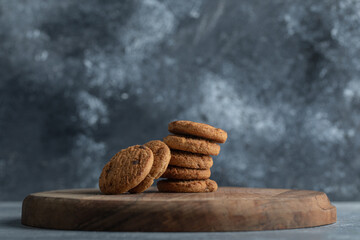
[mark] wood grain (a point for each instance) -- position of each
(228, 209)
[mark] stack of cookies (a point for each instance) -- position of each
(190, 163)
(186, 167)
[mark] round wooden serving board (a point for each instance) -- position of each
(228, 209)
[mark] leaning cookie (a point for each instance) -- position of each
(127, 169)
(186, 173)
(199, 130)
(194, 145)
(162, 157)
(192, 186)
(190, 160)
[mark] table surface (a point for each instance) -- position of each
(347, 227)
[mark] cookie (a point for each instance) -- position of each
(145, 184)
(192, 186)
(190, 160)
(186, 173)
(194, 145)
(162, 157)
(127, 169)
(199, 130)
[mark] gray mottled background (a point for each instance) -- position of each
(80, 80)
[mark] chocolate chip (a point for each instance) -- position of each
(136, 162)
(141, 147)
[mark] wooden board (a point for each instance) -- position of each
(228, 209)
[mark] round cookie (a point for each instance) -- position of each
(162, 157)
(126, 169)
(145, 184)
(186, 173)
(190, 160)
(194, 145)
(192, 186)
(199, 130)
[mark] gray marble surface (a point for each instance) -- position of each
(346, 227)
(82, 79)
